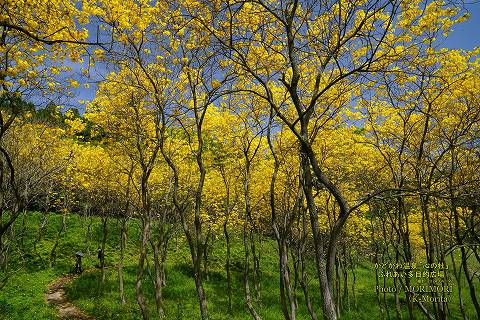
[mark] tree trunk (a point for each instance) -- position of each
(104, 241)
(303, 277)
(158, 280)
(285, 281)
(397, 300)
(246, 271)
(141, 269)
(459, 286)
(53, 252)
(123, 240)
(328, 304)
(354, 279)
(23, 232)
(256, 267)
(197, 274)
(205, 256)
(304, 284)
(337, 291)
(227, 266)
(459, 238)
(87, 232)
(39, 237)
(470, 283)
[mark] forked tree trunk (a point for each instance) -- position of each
(328, 304)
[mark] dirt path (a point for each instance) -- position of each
(56, 296)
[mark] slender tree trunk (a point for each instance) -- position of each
(377, 284)
(246, 272)
(123, 241)
(256, 267)
(87, 232)
(459, 286)
(227, 266)
(205, 256)
(197, 274)
(398, 307)
(226, 234)
(141, 269)
(282, 266)
(328, 304)
(8, 247)
(23, 232)
(303, 278)
(458, 237)
(344, 266)
(104, 241)
(285, 284)
(194, 239)
(337, 291)
(287, 299)
(403, 240)
(296, 274)
(304, 284)
(53, 252)
(159, 255)
(438, 309)
(198, 243)
(470, 283)
(387, 310)
(354, 279)
(39, 237)
(158, 280)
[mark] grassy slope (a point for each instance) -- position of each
(23, 297)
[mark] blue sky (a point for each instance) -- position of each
(465, 35)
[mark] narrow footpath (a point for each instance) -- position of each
(56, 296)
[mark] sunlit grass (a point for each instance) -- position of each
(23, 296)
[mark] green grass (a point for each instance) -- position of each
(23, 296)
